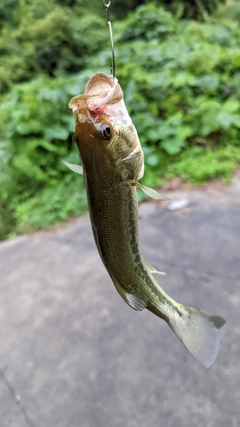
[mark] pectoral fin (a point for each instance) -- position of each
(74, 168)
(151, 193)
(138, 301)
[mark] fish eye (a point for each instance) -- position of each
(106, 131)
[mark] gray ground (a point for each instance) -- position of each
(73, 354)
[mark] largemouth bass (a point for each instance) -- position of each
(112, 163)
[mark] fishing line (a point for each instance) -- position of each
(112, 66)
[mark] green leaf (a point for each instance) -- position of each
(28, 128)
(231, 105)
(173, 146)
(225, 119)
(184, 132)
(210, 122)
(56, 132)
(48, 145)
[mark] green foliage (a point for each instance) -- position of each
(192, 9)
(52, 205)
(198, 165)
(147, 22)
(229, 11)
(181, 82)
(37, 126)
(35, 122)
(182, 90)
(50, 39)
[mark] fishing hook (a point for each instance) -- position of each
(112, 66)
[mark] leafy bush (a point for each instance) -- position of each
(182, 88)
(51, 205)
(198, 165)
(37, 126)
(50, 39)
(192, 9)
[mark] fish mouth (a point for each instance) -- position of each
(105, 88)
(102, 96)
(100, 90)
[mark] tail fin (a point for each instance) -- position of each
(199, 332)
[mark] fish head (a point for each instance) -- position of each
(105, 135)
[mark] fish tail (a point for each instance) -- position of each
(199, 332)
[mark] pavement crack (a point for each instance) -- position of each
(17, 398)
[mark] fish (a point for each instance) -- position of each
(112, 162)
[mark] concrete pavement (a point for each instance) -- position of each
(73, 354)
